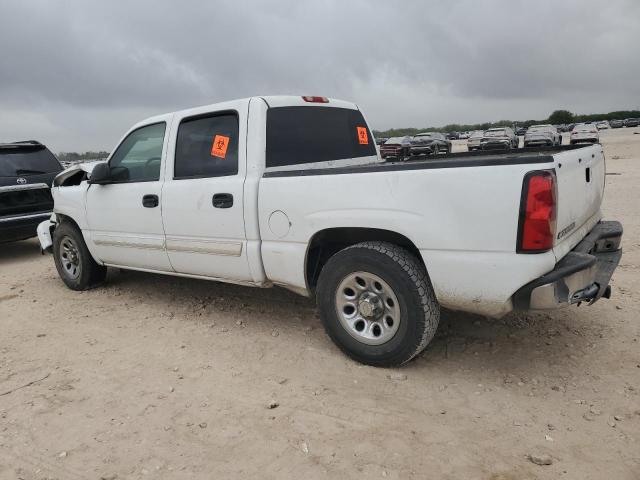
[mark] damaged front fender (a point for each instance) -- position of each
(74, 175)
(45, 234)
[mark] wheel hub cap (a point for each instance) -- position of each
(367, 308)
(370, 306)
(69, 257)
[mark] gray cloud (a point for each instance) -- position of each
(76, 74)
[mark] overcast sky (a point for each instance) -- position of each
(76, 74)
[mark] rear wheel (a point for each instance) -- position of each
(377, 304)
(75, 265)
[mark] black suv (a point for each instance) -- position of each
(27, 170)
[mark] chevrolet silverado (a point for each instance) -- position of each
(290, 191)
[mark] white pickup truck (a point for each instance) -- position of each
(291, 191)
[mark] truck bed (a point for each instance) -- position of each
(451, 160)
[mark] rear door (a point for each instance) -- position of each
(202, 200)
(124, 218)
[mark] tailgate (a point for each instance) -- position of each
(580, 175)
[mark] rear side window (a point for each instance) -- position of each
(299, 135)
(22, 162)
(207, 146)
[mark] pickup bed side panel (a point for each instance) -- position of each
(463, 221)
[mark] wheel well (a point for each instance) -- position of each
(66, 219)
(325, 243)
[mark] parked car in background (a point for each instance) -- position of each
(27, 170)
(520, 131)
(499, 138)
(616, 124)
(396, 147)
(453, 136)
(603, 125)
(584, 133)
(429, 143)
(473, 143)
(464, 135)
(632, 122)
(546, 135)
(381, 140)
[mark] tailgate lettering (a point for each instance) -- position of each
(566, 230)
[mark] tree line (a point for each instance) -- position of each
(78, 157)
(556, 118)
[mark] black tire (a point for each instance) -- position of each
(87, 273)
(419, 311)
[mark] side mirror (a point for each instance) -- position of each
(101, 174)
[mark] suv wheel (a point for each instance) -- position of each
(377, 304)
(75, 265)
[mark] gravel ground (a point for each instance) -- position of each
(161, 377)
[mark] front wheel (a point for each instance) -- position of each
(377, 304)
(75, 265)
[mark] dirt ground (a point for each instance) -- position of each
(161, 377)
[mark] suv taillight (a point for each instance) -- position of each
(537, 225)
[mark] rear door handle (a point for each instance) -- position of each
(222, 200)
(150, 201)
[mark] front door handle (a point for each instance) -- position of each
(222, 200)
(150, 201)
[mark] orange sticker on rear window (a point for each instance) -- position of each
(219, 146)
(363, 138)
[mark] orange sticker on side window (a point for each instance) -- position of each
(363, 138)
(219, 146)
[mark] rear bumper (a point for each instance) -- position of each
(422, 150)
(573, 140)
(20, 227)
(495, 144)
(538, 141)
(581, 276)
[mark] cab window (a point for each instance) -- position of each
(207, 146)
(138, 157)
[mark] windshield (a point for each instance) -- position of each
(426, 135)
(393, 140)
(25, 162)
(495, 133)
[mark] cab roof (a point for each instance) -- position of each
(272, 101)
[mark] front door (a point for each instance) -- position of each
(202, 199)
(124, 217)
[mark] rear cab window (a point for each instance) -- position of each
(304, 135)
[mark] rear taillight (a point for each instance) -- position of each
(537, 226)
(312, 99)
